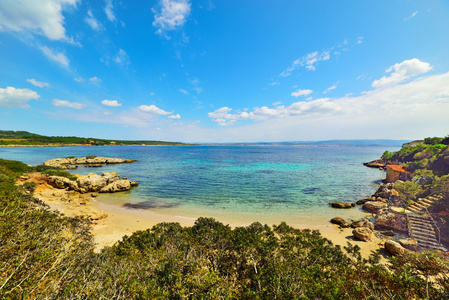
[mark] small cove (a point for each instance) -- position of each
(234, 184)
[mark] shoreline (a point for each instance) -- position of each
(110, 223)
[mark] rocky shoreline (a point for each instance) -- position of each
(389, 221)
(89, 161)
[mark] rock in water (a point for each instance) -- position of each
(340, 221)
(394, 248)
(341, 205)
(362, 233)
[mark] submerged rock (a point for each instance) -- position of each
(341, 205)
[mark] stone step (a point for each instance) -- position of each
(425, 229)
(433, 198)
(424, 237)
(414, 208)
(421, 223)
(430, 244)
(427, 201)
(419, 217)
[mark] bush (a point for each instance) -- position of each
(59, 172)
(29, 186)
(408, 190)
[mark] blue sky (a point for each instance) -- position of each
(225, 71)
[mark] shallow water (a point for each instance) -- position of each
(237, 184)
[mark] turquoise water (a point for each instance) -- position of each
(245, 182)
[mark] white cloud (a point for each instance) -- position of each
(152, 109)
(113, 103)
(58, 57)
(12, 97)
(41, 17)
(78, 79)
(65, 103)
(109, 10)
(95, 80)
(411, 16)
(402, 71)
(360, 40)
(38, 83)
(93, 22)
(371, 115)
(300, 92)
(308, 61)
(121, 57)
(175, 117)
(173, 14)
(331, 88)
(184, 91)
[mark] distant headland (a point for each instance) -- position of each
(9, 138)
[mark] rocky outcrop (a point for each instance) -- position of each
(108, 182)
(410, 244)
(362, 233)
(363, 223)
(391, 220)
(71, 162)
(340, 221)
(374, 206)
(341, 205)
(378, 163)
(394, 248)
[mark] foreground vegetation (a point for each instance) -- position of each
(24, 138)
(47, 255)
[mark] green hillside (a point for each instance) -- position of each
(24, 138)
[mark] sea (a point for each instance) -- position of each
(236, 185)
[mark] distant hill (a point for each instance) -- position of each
(24, 138)
(341, 143)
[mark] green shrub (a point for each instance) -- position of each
(91, 156)
(409, 189)
(59, 172)
(16, 166)
(29, 186)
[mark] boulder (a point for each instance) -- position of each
(111, 176)
(116, 186)
(362, 233)
(387, 232)
(362, 201)
(392, 220)
(373, 206)
(363, 223)
(62, 183)
(410, 244)
(91, 183)
(341, 205)
(340, 221)
(394, 248)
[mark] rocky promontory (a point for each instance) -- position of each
(73, 162)
(107, 182)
